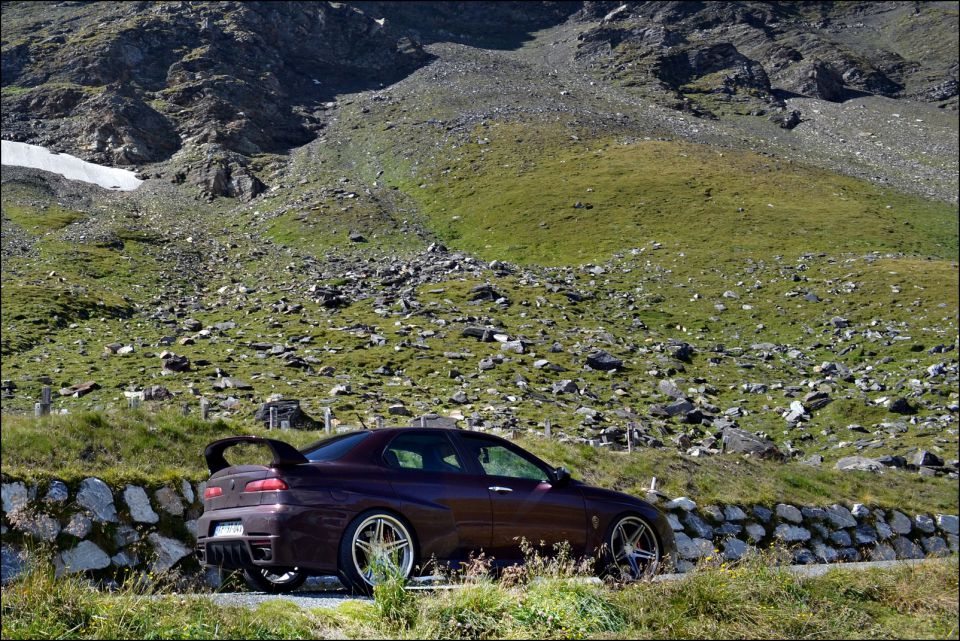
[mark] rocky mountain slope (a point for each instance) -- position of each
(679, 219)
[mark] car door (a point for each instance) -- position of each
(450, 510)
(525, 504)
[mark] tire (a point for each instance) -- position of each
(274, 580)
(632, 549)
(377, 544)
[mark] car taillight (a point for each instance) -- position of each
(266, 485)
(212, 492)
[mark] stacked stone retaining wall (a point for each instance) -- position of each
(93, 527)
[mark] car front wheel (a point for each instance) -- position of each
(376, 546)
(633, 551)
(274, 580)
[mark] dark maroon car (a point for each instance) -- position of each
(366, 503)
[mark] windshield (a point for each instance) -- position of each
(334, 448)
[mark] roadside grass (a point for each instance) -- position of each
(752, 599)
(143, 446)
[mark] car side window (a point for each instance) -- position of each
(499, 460)
(424, 452)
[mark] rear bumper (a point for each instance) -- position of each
(273, 536)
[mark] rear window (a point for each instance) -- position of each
(334, 448)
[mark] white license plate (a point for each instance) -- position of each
(228, 528)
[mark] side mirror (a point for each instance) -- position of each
(561, 476)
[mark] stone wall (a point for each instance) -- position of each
(811, 534)
(95, 527)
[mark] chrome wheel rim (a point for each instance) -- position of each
(634, 547)
(282, 577)
(382, 547)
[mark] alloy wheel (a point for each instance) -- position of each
(382, 547)
(634, 547)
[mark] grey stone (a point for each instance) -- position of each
(935, 546)
(755, 531)
(125, 535)
(192, 526)
(139, 503)
(734, 513)
(713, 513)
(899, 522)
(14, 496)
(565, 386)
(823, 552)
(681, 566)
(791, 533)
(841, 538)
(762, 513)
(95, 495)
(864, 534)
(79, 526)
(813, 513)
(12, 563)
(169, 501)
(169, 551)
(907, 549)
(924, 523)
(948, 523)
(692, 549)
(928, 459)
(803, 556)
(860, 511)
(669, 388)
(954, 542)
(603, 361)
(840, 516)
(57, 492)
(858, 463)
(697, 526)
(187, 491)
(883, 552)
(848, 554)
(728, 529)
(85, 556)
(734, 549)
(682, 503)
(124, 559)
(883, 531)
(674, 522)
(819, 529)
(737, 441)
(42, 527)
(789, 513)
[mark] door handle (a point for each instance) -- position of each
(500, 490)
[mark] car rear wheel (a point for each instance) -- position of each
(633, 551)
(377, 546)
(274, 580)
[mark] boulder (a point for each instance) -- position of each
(169, 551)
(95, 495)
(14, 495)
(169, 501)
(789, 513)
(858, 463)
(603, 361)
(739, 441)
(791, 533)
(85, 556)
(139, 503)
(287, 410)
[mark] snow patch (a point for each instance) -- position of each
(19, 154)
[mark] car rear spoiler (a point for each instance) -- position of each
(284, 454)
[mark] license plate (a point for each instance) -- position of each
(228, 528)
